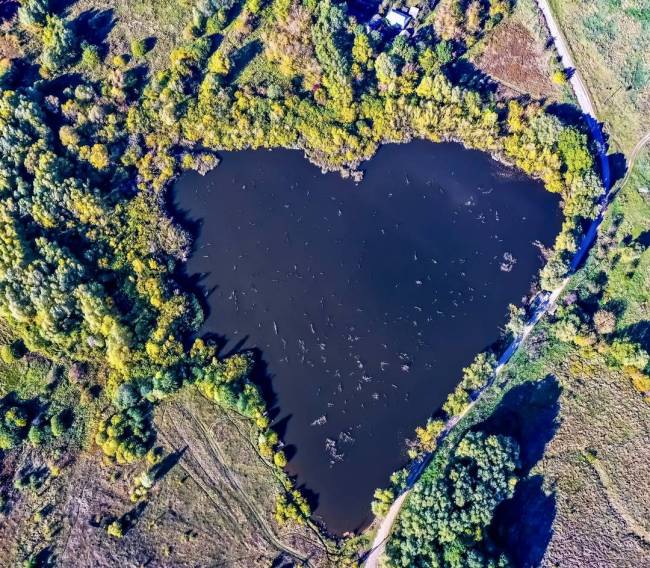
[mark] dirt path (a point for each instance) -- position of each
(617, 504)
(200, 472)
(579, 88)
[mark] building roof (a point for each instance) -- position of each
(414, 11)
(397, 18)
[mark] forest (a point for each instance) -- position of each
(90, 259)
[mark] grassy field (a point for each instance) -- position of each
(116, 23)
(610, 40)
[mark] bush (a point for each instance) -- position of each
(7, 354)
(58, 424)
(115, 529)
(625, 353)
(90, 55)
(604, 322)
(566, 330)
(139, 48)
(291, 506)
(37, 435)
(126, 396)
(280, 459)
(559, 77)
(120, 61)
(126, 436)
(13, 351)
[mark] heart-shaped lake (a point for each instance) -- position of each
(366, 300)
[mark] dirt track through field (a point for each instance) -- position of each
(209, 468)
(617, 504)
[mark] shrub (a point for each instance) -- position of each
(604, 322)
(120, 61)
(14, 351)
(90, 55)
(139, 48)
(126, 436)
(291, 506)
(280, 459)
(566, 330)
(58, 424)
(640, 380)
(115, 529)
(559, 77)
(37, 435)
(625, 353)
(7, 354)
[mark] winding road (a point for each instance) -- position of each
(546, 301)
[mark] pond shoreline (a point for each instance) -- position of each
(301, 260)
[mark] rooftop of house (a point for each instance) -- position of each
(397, 18)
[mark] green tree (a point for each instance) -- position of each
(445, 520)
(58, 424)
(59, 45)
(139, 48)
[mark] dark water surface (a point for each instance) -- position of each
(365, 300)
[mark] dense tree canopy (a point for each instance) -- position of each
(445, 519)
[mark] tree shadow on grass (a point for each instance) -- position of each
(638, 332)
(643, 239)
(465, 73)
(94, 25)
(243, 57)
(8, 9)
(166, 465)
(522, 526)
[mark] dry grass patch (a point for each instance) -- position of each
(598, 524)
(514, 57)
(516, 53)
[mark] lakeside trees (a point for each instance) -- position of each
(445, 519)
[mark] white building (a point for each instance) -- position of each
(397, 18)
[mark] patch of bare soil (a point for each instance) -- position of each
(513, 56)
